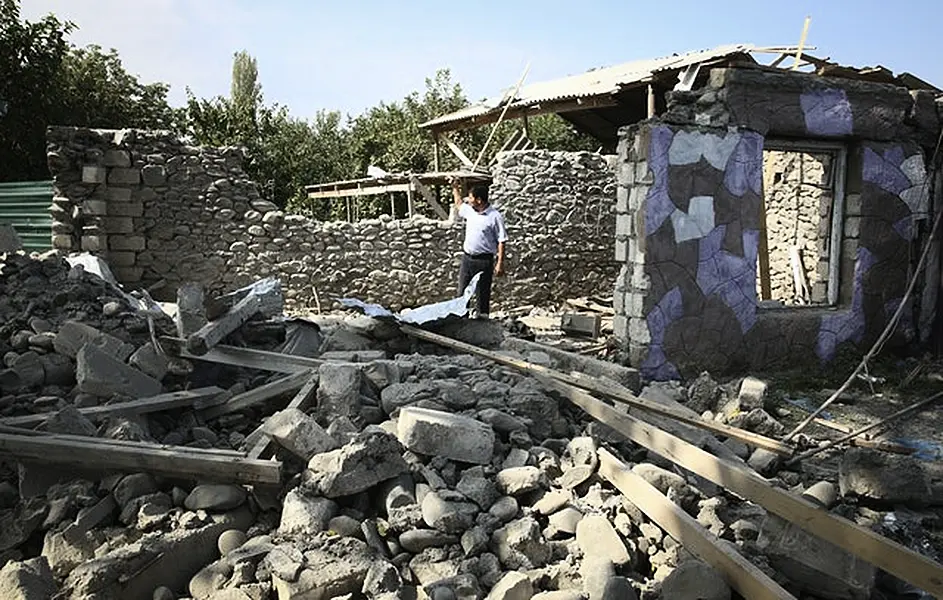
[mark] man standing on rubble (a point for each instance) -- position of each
(485, 238)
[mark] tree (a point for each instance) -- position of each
(30, 57)
(245, 91)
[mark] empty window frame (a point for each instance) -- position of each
(801, 223)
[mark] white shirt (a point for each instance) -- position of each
(483, 230)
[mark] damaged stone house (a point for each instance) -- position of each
(751, 216)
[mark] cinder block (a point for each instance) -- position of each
(122, 176)
(94, 174)
(126, 209)
(118, 194)
(127, 242)
(437, 433)
(624, 227)
(121, 258)
(638, 331)
(95, 207)
(622, 250)
(119, 224)
(149, 361)
(94, 243)
(622, 199)
(852, 205)
(633, 305)
(852, 227)
(620, 327)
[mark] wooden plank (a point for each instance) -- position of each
(580, 325)
(617, 393)
(740, 573)
(518, 112)
(766, 290)
(213, 332)
(246, 357)
(430, 198)
(583, 304)
(743, 481)
(301, 401)
(193, 463)
(255, 396)
(457, 151)
(371, 190)
(153, 404)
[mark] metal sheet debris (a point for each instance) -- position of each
(428, 313)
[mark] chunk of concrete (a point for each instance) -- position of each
(148, 360)
(885, 477)
(72, 336)
(437, 433)
(338, 391)
(335, 568)
(298, 433)
(304, 514)
(596, 536)
(216, 497)
(102, 375)
(520, 545)
(513, 586)
(370, 459)
(695, 580)
(752, 394)
(27, 580)
(449, 516)
(514, 481)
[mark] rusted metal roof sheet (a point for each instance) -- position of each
(598, 82)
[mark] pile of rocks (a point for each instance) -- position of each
(418, 476)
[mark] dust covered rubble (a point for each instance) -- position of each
(412, 476)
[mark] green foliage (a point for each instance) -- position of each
(46, 81)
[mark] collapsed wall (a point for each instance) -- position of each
(692, 212)
(161, 210)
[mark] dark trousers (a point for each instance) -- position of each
(477, 263)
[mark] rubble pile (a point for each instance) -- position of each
(405, 471)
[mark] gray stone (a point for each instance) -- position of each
(149, 361)
(417, 540)
(823, 493)
(70, 421)
(513, 586)
(29, 369)
(346, 526)
(397, 395)
(883, 476)
(478, 488)
(153, 175)
(337, 567)
(474, 541)
(133, 486)
(284, 561)
(562, 595)
(102, 375)
(764, 461)
(519, 545)
(448, 516)
(358, 466)
(563, 523)
(442, 434)
(661, 479)
(164, 593)
(759, 421)
(752, 394)
(72, 336)
(338, 391)
(505, 509)
(216, 497)
(210, 579)
(382, 578)
(553, 501)
(575, 476)
(399, 492)
(64, 553)
(298, 433)
(304, 514)
(619, 588)
(695, 580)
(459, 587)
(502, 422)
(9, 240)
(519, 480)
(456, 395)
(57, 370)
(595, 572)
(703, 394)
(597, 537)
(27, 580)
(517, 457)
(230, 540)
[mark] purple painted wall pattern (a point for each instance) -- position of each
(827, 112)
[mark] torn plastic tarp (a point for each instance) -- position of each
(424, 314)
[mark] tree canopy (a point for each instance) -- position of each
(49, 81)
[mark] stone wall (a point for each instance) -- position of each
(688, 218)
(160, 210)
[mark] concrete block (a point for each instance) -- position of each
(298, 433)
(852, 205)
(94, 174)
(127, 209)
(136, 243)
(118, 224)
(622, 249)
(73, 335)
(437, 433)
(118, 194)
(121, 258)
(99, 374)
(95, 207)
(191, 315)
(752, 394)
(624, 227)
(123, 176)
(62, 242)
(620, 327)
(622, 199)
(94, 243)
(852, 227)
(117, 158)
(148, 360)
(638, 331)
(633, 305)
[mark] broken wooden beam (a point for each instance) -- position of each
(249, 358)
(614, 392)
(255, 396)
(268, 290)
(584, 304)
(153, 404)
(740, 573)
(213, 332)
(301, 401)
(171, 461)
(886, 554)
(581, 325)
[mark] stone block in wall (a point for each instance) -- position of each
(620, 327)
(95, 207)
(853, 205)
(852, 226)
(118, 194)
(118, 225)
(633, 305)
(121, 258)
(624, 227)
(622, 249)
(622, 199)
(94, 174)
(637, 331)
(126, 209)
(154, 175)
(62, 242)
(127, 242)
(94, 243)
(117, 158)
(123, 176)
(127, 274)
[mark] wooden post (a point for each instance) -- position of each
(409, 201)
(526, 127)
(766, 291)
(651, 100)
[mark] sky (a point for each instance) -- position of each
(349, 55)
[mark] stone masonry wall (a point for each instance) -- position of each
(159, 210)
(688, 217)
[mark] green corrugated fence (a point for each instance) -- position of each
(25, 205)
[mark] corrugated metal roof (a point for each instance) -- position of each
(598, 82)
